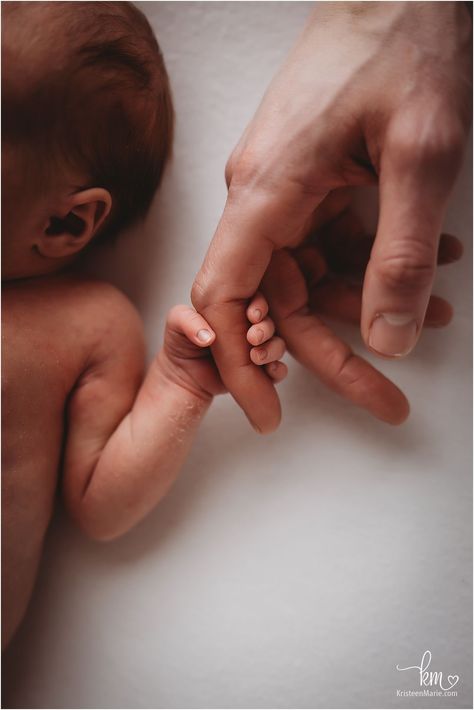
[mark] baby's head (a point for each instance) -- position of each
(87, 123)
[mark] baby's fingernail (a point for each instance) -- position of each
(393, 334)
(262, 354)
(257, 313)
(204, 335)
(260, 334)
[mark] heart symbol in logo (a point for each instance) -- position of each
(452, 680)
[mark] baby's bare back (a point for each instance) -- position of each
(49, 331)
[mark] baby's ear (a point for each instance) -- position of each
(68, 233)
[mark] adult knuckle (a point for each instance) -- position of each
(430, 141)
(408, 267)
(340, 368)
(244, 169)
(440, 147)
(230, 167)
(210, 291)
(199, 294)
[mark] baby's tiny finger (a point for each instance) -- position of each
(277, 371)
(261, 332)
(257, 309)
(274, 349)
(192, 325)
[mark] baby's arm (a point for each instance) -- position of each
(126, 443)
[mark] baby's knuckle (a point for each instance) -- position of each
(175, 313)
(195, 318)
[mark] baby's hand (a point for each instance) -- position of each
(268, 348)
(186, 357)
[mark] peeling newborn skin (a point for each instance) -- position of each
(77, 411)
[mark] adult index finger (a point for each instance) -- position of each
(255, 221)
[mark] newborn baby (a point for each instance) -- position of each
(87, 128)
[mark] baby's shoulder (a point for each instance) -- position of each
(71, 320)
(72, 299)
(107, 318)
(110, 327)
(101, 305)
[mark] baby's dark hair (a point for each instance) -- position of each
(88, 88)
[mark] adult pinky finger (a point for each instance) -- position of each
(277, 371)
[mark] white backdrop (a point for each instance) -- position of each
(295, 570)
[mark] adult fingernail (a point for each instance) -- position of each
(204, 335)
(393, 334)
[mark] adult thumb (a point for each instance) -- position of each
(417, 172)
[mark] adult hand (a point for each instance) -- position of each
(322, 279)
(371, 93)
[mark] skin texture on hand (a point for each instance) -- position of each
(120, 461)
(323, 279)
(372, 93)
(186, 357)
